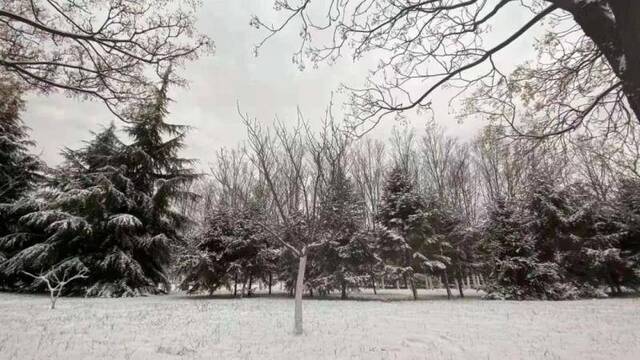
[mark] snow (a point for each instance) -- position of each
(182, 327)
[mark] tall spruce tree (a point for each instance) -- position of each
(344, 262)
(627, 204)
(557, 244)
(107, 209)
(402, 214)
(19, 170)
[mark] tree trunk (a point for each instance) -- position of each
(53, 300)
(297, 328)
(627, 13)
(250, 285)
(235, 284)
(373, 282)
(460, 283)
(614, 26)
(414, 290)
(270, 280)
(343, 295)
(446, 284)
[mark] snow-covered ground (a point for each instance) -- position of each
(181, 327)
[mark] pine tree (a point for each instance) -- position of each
(102, 211)
(509, 254)
(230, 249)
(154, 165)
(402, 215)
(627, 206)
(346, 259)
(19, 170)
(557, 244)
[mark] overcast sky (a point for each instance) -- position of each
(265, 86)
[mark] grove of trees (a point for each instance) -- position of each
(543, 203)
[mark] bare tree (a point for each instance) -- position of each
(55, 284)
(368, 170)
(589, 61)
(97, 49)
(295, 165)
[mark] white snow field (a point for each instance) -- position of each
(182, 327)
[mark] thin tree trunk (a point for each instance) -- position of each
(446, 283)
(250, 285)
(414, 290)
(270, 280)
(373, 282)
(460, 283)
(235, 284)
(343, 296)
(297, 329)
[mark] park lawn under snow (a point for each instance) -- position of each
(182, 327)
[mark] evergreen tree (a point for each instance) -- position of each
(19, 170)
(230, 249)
(402, 215)
(104, 212)
(346, 259)
(558, 245)
(154, 165)
(627, 206)
(509, 254)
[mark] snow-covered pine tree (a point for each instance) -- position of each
(19, 170)
(526, 245)
(591, 254)
(230, 249)
(154, 165)
(402, 215)
(627, 206)
(558, 244)
(508, 253)
(346, 260)
(108, 209)
(444, 248)
(82, 220)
